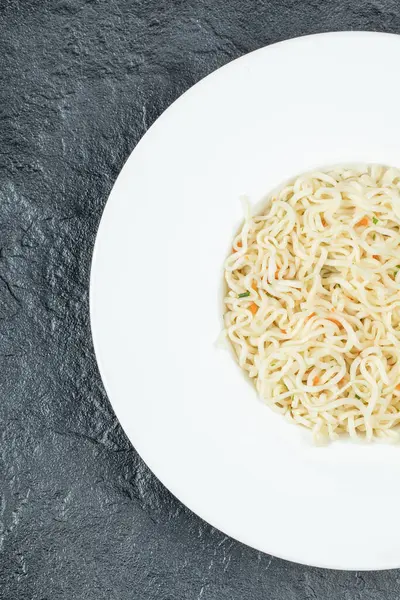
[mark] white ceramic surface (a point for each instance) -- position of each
(155, 298)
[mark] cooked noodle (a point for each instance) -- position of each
(313, 301)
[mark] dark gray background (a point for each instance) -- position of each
(81, 516)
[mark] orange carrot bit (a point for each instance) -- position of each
(316, 380)
(376, 256)
(363, 222)
(283, 331)
(253, 307)
(310, 316)
(254, 286)
(323, 222)
(398, 387)
(338, 323)
(239, 245)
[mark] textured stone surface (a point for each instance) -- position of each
(81, 516)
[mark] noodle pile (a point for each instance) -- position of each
(313, 301)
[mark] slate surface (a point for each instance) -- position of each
(81, 516)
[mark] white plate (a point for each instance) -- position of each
(156, 298)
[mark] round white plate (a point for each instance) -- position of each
(156, 298)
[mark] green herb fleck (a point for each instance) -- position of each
(397, 266)
(375, 220)
(374, 236)
(244, 295)
(358, 397)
